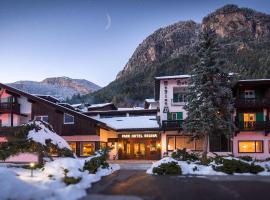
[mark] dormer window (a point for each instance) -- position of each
(68, 119)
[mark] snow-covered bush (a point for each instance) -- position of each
(35, 137)
(184, 155)
(231, 166)
(170, 168)
(70, 180)
(98, 161)
(246, 158)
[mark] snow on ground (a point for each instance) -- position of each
(47, 184)
(191, 168)
(44, 134)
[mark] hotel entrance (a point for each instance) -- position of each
(139, 146)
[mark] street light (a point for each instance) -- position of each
(32, 165)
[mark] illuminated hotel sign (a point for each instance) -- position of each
(139, 135)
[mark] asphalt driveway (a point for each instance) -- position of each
(136, 184)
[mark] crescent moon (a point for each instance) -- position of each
(109, 22)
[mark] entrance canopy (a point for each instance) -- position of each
(131, 123)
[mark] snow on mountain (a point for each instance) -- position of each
(60, 87)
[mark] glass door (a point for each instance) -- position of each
(139, 150)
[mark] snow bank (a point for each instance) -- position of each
(192, 168)
(47, 183)
(188, 168)
(44, 134)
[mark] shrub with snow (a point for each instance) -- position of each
(216, 166)
(60, 179)
(35, 137)
(237, 166)
(183, 154)
(170, 168)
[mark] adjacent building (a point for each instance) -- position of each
(18, 107)
(252, 112)
(171, 93)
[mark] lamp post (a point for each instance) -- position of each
(32, 165)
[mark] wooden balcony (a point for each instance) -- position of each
(172, 124)
(253, 126)
(9, 107)
(252, 103)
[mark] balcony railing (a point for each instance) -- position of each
(172, 124)
(253, 126)
(7, 107)
(177, 103)
(8, 131)
(252, 103)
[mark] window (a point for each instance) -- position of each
(249, 117)
(87, 148)
(199, 144)
(103, 145)
(175, 116)
(250, 146)
(249, 120)
(43, 118)
(184, 142)
(181, 142)
(179, 94)
(171, 143)
(53, 151)
(68, 119)
(73, 146)
(153, 147)
(249, 94)
(7, 100)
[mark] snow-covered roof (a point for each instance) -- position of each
(76, 105)
(131, 122)
(99, 105)
(133, 108)
(248, 80)
(150, 100)
(173, 77)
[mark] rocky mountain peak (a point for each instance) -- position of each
(232, 22)
(165, 42)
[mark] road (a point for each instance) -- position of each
(137, 185)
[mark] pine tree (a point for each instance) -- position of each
(210, 94)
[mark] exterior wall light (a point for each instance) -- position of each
(32, 165)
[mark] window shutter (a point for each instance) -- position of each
(240, 117)
(258, 94)
(179, 116)
(242, 94)
(259, 117)
(169, 116)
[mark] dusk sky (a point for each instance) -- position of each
(86, 39)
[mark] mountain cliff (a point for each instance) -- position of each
(243, 34)
(60, 87)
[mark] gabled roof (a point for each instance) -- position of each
(39, 99)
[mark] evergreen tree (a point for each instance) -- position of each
(210, 95)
